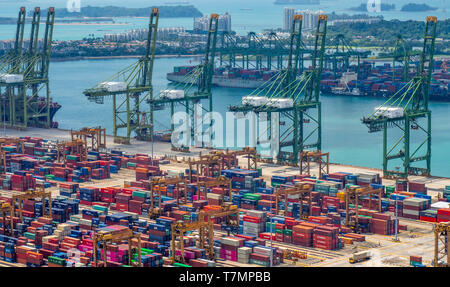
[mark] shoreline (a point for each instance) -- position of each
(81, 58)
(91, 24)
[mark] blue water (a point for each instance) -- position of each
(263, 14)
(347, 140)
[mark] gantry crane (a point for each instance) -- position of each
(75, 147)
(97, 137)
(352, 195)
(306, 157)
(402, 57)
(441, 244)
(205, 165)
(7, 141)
(249, 152)
(12, 59)
(206, 240)
(5, 209)
(107, 236)
(130, 89)
(157, 183)
(230, 212)
(302, 190)
(256, 48)
(28, 72)
(292, 97)
(341, 54)
(221, 181)
(408, 111)
(202, 76)
(39, 193)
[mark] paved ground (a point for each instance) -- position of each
(418, 240)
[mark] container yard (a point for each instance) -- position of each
(84, 198)
(275, 216)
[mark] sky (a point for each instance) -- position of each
(224, 5)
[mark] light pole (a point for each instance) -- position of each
(152, 140)
(4, 116)
(396, 208)
(271, 233)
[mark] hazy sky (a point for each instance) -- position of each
(264, 8)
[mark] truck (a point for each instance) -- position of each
(359, 256)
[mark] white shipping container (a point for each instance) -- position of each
(361, 255)
(230, 241)
(214, 196)
(11, 78)
(411, 212)
(251, 224)
(261, 250)
(256, 213)
(172, 94)
(389, 112)
(282, 103)
(254, 101)
(244, 250)
(114, 86)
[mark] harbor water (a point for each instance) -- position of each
(344, 136)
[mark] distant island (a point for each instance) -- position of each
(412, 7)
(114, 11)
(7, 21)
(384, 7)
(297, 2)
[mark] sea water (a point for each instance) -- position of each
(343, 135)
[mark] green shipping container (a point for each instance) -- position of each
(140, 194)
(56, 260)
(29, 235)
(132, 164)
(100, 208)
(49, 176)
(181, 265)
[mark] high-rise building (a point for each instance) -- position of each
(310, 18)
(288, 18)
(224, 23)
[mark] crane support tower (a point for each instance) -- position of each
(130, 89)
(181, 94)
(408, 112)
(441, 244)
(352, 195)
(321, 158)
(303, 190)
(106, 236)
(292, 98)
(341, 54)
(28, 195)
(206, 238)
(97, 137)
(25, 75)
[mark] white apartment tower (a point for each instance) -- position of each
(288, 18)
(224, 23)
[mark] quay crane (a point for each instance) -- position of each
(129, 89)
(408, 112)
(293, 98)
